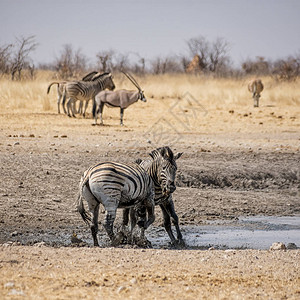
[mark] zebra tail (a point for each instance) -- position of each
(49, 87)
(79, 203)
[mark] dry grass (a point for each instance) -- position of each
(211, 93)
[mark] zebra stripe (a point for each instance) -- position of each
(162, 169)
(61, 86)
(115, 185)
(86, 90)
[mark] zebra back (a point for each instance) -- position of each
(85, 90)
(129, 180)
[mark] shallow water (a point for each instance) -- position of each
(258, 232)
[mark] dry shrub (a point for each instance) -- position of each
(210, 92)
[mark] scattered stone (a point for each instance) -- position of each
(231, 111)
(211, 248)
(9, 284)
(278, 246)
(14, 233)
(15, 292)
(133, 281)
(31, 135)
(63, 136)
(120, 289)
(16, 143)
(245, 115)
(40, 244)
(291, 246)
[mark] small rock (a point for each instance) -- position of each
(15, 292)
(40, 244)
(31, 135)
(16, 143)
(15, 233)
(120, 289)
(133, 281)
(9, 284)
(278, 246)
(291, 246)
(211, 248)
(63, 136)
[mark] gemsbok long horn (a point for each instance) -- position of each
(130, 77)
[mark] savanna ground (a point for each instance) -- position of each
(238, 161)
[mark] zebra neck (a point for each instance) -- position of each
(154, 173)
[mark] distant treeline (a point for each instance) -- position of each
(204, 57)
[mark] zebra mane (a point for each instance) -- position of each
(164, 152)
(97, 76)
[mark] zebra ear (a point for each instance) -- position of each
(178, 155)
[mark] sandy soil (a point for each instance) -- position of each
(236, 162)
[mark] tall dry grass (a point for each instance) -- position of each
(31, 95)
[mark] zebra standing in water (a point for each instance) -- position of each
(162, 169)
(86, 90)
(255, 86)
(115, 185)
(61, 85)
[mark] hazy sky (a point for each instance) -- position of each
(269, 28)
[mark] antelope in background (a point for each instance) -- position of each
(120, 98)
(255, 87)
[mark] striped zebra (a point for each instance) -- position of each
(162, 168)
(85, 90)
(115, 185)
(61, 85)
(255, 86)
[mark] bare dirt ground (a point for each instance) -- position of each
(241, 162)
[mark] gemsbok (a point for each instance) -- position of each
(255, 86)
(120, 98)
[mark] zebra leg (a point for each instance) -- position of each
(69, 107)
(58, 103)
(73, 108)
(175, 221)
(64, 102)
(121, 116)
(85, 107)
(100, 112)
(93, 205)
(167, 223)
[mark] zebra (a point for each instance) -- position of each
(86, 90)
(255, 86)
(162, 168)
(120, 98)
(115, 185)
(60, 88)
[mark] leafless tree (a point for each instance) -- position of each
(105, 60)
(20, 60)
(211, 56)
(218, 55)
(257, 67)
(5, 58)
(121, 62)
(70, 64)
(162, 65)
(287, 69)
